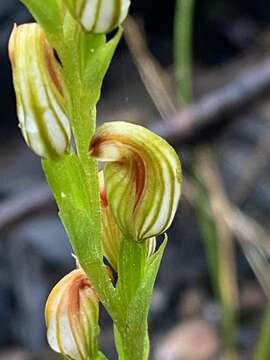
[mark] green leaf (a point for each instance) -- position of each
(68, 182)
(131, 267)
(85, 60)
(49, 15)
(81, 231)
(66, 179)
(139, 305)
(137, 275)
(87, 45)
(97, 65)
(100, 356)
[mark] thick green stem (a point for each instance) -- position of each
(132, 345)
(131, 331)
(137, 273)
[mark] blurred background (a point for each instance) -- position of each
(197, 72)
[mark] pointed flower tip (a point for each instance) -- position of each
(40, 90)
(72, 317)
(99, 16)
(142, 178)
(11, 45)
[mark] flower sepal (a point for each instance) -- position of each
(98, 16)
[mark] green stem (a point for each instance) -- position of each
(263, 347)
(82, 221)
(131, 331)
(131, 345)
(183, 44)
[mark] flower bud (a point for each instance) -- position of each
(72, 317)
(142, 178)
(99, 16)
(39, 89)
(111, 234)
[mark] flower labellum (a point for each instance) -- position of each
(72, 317)
(99, 16)
(142, 178)
(39, 89)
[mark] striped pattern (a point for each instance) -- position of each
(112, 236)
(99, 16)
(40, 91)
(142, 178)
(72, 317)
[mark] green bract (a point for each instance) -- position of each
(40, 92)
(142, 178)
(99, 16)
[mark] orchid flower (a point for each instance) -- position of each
(40, 92)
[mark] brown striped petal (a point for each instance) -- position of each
(111, 234)
(142, 178)
(99, 16)
(72, 317)
(39, 89)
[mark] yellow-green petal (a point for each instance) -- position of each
(142, 178)
(112, 236)
(99, 16)
(40, 92)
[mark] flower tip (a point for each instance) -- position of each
(102, 192)
(11, 48)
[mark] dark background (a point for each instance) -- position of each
(35, 253)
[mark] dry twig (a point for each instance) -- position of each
(155, 79)
(207, 169)
(211, 108)
(252, 237)
(258, 163)
(18, 208)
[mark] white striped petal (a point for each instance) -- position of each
(72, 317)
(99, 16)
(142, 178)
(39, 89)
